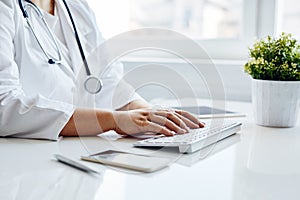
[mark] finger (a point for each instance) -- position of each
(188, 122)
(190, 117)
(167, 123)
(156, 128)
(174, 118)
(202, 124)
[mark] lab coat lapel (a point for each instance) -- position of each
(69, 34)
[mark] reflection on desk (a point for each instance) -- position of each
(259, 163)
(28, 171)
(190, 159)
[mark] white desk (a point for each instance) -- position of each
(259, 163)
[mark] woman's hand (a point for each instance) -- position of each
(161, 121)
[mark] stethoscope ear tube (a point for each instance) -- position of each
(25, 14)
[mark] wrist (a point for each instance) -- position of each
(106, 120)
(137, 104)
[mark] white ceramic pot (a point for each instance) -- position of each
(275, 103)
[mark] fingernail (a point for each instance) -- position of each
(181, 131)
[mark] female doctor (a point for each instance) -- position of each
(39, 69)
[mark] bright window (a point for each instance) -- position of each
(199, 19)
(289, 17)
(224, 27)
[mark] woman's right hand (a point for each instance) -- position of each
(161, 121)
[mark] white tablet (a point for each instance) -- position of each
(205, 112)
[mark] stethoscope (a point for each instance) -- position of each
(92, 84)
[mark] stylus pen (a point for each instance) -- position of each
(74, 164)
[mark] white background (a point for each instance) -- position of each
(258, 18)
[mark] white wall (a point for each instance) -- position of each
(153, 82)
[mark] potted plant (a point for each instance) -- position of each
(275, 69)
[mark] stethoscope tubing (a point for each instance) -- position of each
(96, 88)
(88, 72)
(40, 14)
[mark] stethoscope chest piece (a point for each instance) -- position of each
(93, 85)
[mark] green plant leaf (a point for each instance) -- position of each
(275, 59)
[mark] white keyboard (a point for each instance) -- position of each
(195, 140)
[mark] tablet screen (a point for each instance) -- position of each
(203, 110)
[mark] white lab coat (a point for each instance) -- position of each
(38, 99)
